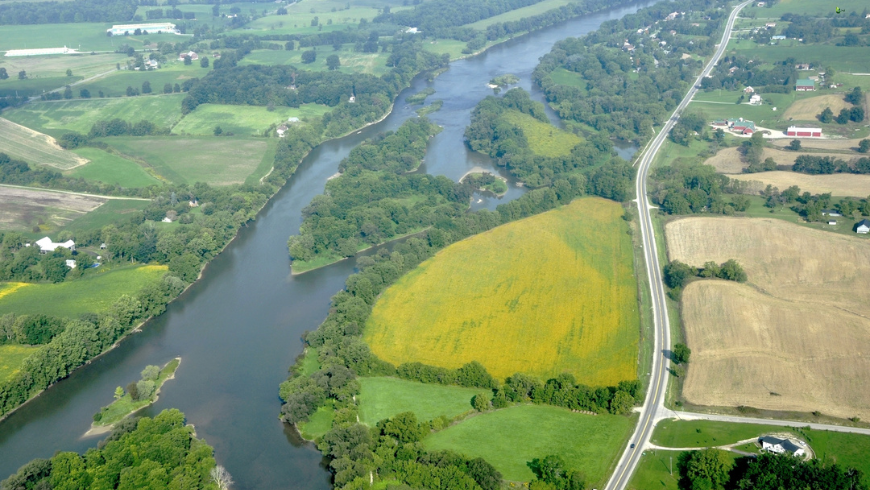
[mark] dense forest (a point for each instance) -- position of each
(434, 17)
(622, 91)
(159, 452)
(54, 12)
(687, 188)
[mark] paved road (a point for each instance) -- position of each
(658, 382)
(670, 414)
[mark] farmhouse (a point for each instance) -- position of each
(805, 85)
(193, 56)
(46, 245)
(780, 446)
(863, 227)
(281, 130)
(804, 132)
(126, 29)
(755, 99)
(748, 90)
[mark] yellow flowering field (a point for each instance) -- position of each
(548, 294)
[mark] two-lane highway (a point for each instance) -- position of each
(655, 396)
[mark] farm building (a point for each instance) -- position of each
(281, 131)
(804, 132)
(770, 25)
(40, 51)
(780, 446)
(802, 66)
(777, 38)
(755, 99)
(739, 125)
(120, 30)
(193, 56)
(748, 90)
(71, 263)
(863, 227)
(830, 212)
(805, 85)
(46, 245)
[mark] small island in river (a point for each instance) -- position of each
(137, 395)
(485, 181)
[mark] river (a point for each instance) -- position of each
(238, 329)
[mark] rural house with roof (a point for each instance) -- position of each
(863, 227)
(46, 245)
(780, 446)
(805, 85)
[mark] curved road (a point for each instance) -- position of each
(655, 396)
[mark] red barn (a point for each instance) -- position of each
(804, 132)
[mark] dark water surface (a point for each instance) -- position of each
(237, 330)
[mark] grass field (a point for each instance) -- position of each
(318, 423)
(569, 78)
(59, 117)
(716, 106)
(36, 148)
(218, 161)
(792, 337)
(55, 66)
(510, 438)
(452, 47)
(242, 120)
(116, 83)
(808, 109)
(805, 7)
(111, 169)
(656, 471)
(836, 184)
(11, 357)
(544, 138)
(24, 209)
(850, 59)
(124, 406)
(84, 36)
(299, 18)
(351, 61)
(112, 211)
(544, 295)
(823, 144)
(538, 8)
(382, 398)
(91, 294)
(32, 86)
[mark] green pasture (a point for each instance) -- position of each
(544, 138)
(61, 116)
(381, 398)
(111, 169)
(93, 293)
(510, 438)
(115, 84)
(241, 120)
(84, 36)
(113, 211)
(850, 81)
(300, 17)
(189, 159)
(569, 78)
(319, 422)
(82, 65)
(32, 86)
(805, 7)
(351, 61)
(841, 58)
(121, 408)
(11, 357)
(520, 13)
(450, 46)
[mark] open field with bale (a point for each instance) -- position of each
(28, 209)
(33, 147)
(111, 169)
(836, 184)
(512, 437)
(808, 109)
(94, 293)
(382, 398)
(189, 159)
(548, 294)
(62, 116)
(794, 336)
(544, 139)
(242, 120)
(11, 356)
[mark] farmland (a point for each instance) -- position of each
(848, 59)
(93, 293)
(789, 339)
(823, 144)
(242, 120)
(113, 211)
(836, 184)
(382, 398)
(728, 161)
(544, 139)
(59, 117)
(111, 169)
(82, 65)
(11, 357)
(84, 36)
(116, 83)
(520, 13)
(351, 61)
(26, 209)
(25, 144)
(804, 7)
(33, 87)
(218, 161)
(299, 20)
(512, 437)
(487, 297)
(808, 109)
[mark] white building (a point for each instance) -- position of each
(780, 446)
(46, 245)
(71, 264)
(863, 227)
(129, 29)
(755, 99)
(191, 54)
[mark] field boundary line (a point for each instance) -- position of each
(59, 191)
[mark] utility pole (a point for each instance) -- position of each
(672, 465)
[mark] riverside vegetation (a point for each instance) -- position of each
(139, 394)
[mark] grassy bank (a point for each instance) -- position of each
(124, 406)
(382, 398)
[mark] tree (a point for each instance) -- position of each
(795, 145)
(826, 116)
(203, 63)
(676, 273)
(219, 475)
(622, 403)
(289, 46)
(119, 393)
(187, 60)
(22, 75)
(856, 114)
(732, 271)
(133, 391)
(855, 97)
(680, 354)
(709, 466)
(3, 74)
(309, 56)
(480, 402)
(218, 131)
(146, 389)
(150, 373)
(167, 88)
(176, 88)
(864, 146)
(333, 62)
(146, 87)
(85, 93)
(843, 116)
(67, 92)
(68, 72)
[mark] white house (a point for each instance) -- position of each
(193, 56)
(46, 245)
(780, 446)
(71, 264)
(863, 227)
(755, 99)
(748, 90)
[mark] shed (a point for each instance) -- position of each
(863, 227)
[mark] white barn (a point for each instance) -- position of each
(863, 227)
(46, 245)
(121, 29)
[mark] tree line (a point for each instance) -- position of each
(817, 165)
(676, 274)
(159, 452)
(689, 188)
(435, 16)
(54, 12)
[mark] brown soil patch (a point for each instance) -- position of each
(808, 109)
(21, 209)
(836, 184)
(799, 328)
(727, 161)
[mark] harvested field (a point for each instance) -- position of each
(28, 145)
(22, 209)
(794, 336)
(545, 295)
(808, 109)
(727, 161)
(836, 184)
(822, 144)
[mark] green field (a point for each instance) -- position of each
(382, 398)
(840, 58)
(32, 87)
(351, 61)
(189, 159)
(82, 65)
(319, 422)
(510, 438)
(536, 9)
(111, 169)
(569, 78)
(452, 47)
(33, 147)
(300, 16)
(115, 84)
(112, 211)
(544, 138)
(805, 7)
(84, 36)
(93, 293)
(721, 105)
(654, 472)
(242, 120)
(11, 357)
(58, 117)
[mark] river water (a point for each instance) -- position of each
(238, 329)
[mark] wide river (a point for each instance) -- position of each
(238, 329)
